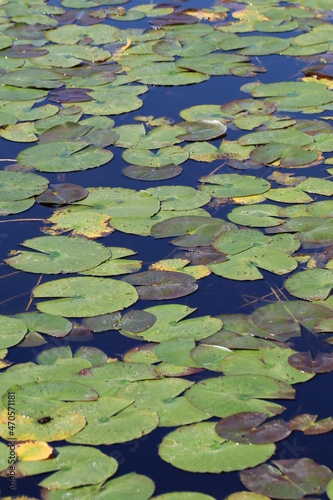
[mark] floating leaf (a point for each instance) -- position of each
(33, 450)
(63, 157)
(249, 249)
(169, 324)
(272, 362)
(310, 425)
(122, 487)
(249, 427)
(16, 186)
(75, 466)
(130, 423)
(45, 323)
(81, 221)
(57, 428)
(58, 254)
(162, 395)
(303, 361)
(152, 174)
(81, 297)
(164, 156)
(226, 396)
(282, 320)
(192, 231)
(50, 356)
(167, 73)
(179, 197)
(62, 194)
(12, 331)
(161, 285)
(290, 479)
(197, 448)
(230, 185)
(313, 284)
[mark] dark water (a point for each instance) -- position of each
(215, 295)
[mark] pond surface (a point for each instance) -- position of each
(224, 321)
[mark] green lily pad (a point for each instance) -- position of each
(162, 396)
(170, 323)
(55, 326)
(184, 495)
(130, 423)
(15, 186)
(113, 101)
(203, 130)
(173, 155)
(292, 156)
(226, 396)
(312, 284)
(249, 249)
(16, 207)
(290, 479)
(58, 254)
(197, 448)
(256, 215)
(282, 320)
(230, 185)
(122, 487)
(74, 465)
(272, 362)
(134, 321)
(13, 330)
(85, 296)
(179, 197)
(152, 174)
(50, 356)
(167, 73)
(192, 231)
(63, 157)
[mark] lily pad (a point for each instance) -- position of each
(249, 427)
(192, 231)
(152, 174)
(162, 285)
(130, 423)
(63, 157)
(226, 396)
(290, 479)
(170, 323)
(58, 254)
(249, 249)
(230, 185)
(81, 297)
(173, 155)
(309, 424)
(13, 330)
(303, 361)
(48, 324)
(74, 466)
(312, 284)
(197, 448)
(16, 186)
(62, 194)
(121, 487)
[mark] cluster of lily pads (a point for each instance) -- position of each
(64, 72)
